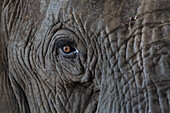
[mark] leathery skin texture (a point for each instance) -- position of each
(85, 56)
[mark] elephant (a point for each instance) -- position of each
(85, 56)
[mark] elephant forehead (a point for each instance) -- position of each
(94, 14)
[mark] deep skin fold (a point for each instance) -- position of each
(123, 65)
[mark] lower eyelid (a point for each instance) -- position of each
(72, 54)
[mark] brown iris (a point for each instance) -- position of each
(66, 49)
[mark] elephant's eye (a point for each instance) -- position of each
(66, 48)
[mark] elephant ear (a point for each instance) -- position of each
(8, 101)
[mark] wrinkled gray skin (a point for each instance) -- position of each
(122, 65)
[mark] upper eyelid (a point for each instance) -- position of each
(63, 42)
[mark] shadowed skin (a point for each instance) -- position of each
(120, 61)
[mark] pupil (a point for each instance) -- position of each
(65, 48)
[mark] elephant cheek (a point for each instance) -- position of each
(157, 64)
(163, 67)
